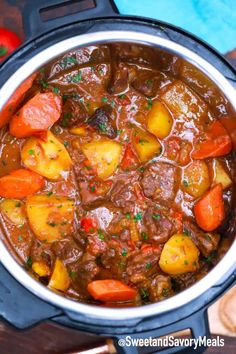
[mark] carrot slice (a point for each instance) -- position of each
(37, 115)
(10, 107)
(20, 183)
(111, 290)
(217, 143)
(209, 210)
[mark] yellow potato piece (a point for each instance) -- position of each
(60, 279)
(49, 157)
(41, 269)
(81, 131)
(179, 255)
(50, 217)
(14, 210)
(195, 180)
(103, 155)
(159, 121)
(145, 144)
(220, 175)
(181, 100)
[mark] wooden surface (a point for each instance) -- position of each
(49, 338)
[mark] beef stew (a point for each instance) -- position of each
(117, 174)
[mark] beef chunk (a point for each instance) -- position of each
(102, 121)
(88, 268)
(123, 196)
(160, 181)
(142, 264)
(158, 225)
(67, 250)
(147, 83)
(184, 281)
(206, 242)
(119, 79)
(73, 113)
(160, 288)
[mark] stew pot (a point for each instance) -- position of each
(24, 301)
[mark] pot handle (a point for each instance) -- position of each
(18, 306)
(197, 323)
(35, 25)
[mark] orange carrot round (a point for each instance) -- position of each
(111, 290)
(20, 183)
(37, 115)
(209, 210)
(217, 143)
(11, 105)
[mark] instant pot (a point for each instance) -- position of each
(23, 300)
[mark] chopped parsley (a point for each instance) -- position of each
(18, 205)
(119, 131)
(53, 224)
(165, 292)
(128, 216)
(186, 262)
(185, 183)
(102, 127)
(104, 99)
(77, 78)
(100, 235)
(156, 216)
(148, 266)
(43, 83)
(143, 141)
(144, 294)
(31, 152)
(65, 119)
(124, 252)
(186, 232)
(144, 235)
(49, 193)
(141, 169)
(20, 238)
(149, 103)
(66, 143)
(56, 89)
(138, 217)
(72, 274)
(29, 262)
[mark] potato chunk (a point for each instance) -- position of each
(41, 269)
(179, 255)
(50, 217)
(220, 175)
(49, 157)
(159, 120)
(60, 279)
(145, 144)
(196, 179)
(183, 101)
(104, 156)
(14, 210)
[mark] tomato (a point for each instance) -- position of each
(9, 41)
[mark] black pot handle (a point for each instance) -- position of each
(18, 306)
(197, 323)
(34, 25)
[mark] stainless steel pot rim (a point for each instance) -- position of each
(227, 263)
